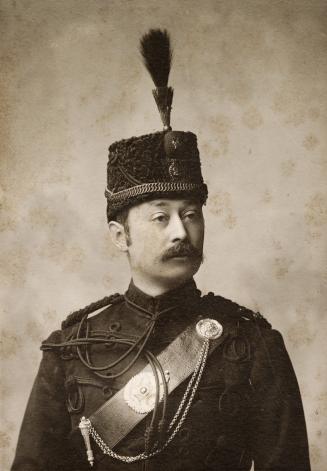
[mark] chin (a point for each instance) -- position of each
(179, 273)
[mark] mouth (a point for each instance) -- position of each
(181, 257)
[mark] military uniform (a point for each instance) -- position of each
(244, 404)
(247, 406)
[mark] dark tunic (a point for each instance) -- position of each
(247, 407)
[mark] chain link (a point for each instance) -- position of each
(187, 402)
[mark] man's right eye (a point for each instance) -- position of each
(159, 217)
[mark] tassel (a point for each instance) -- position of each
(85, 431)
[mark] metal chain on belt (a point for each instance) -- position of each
(179, 416)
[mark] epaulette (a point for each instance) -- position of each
(232, 309)
(261, 320)
(77, 316)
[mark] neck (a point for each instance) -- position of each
(154, 287)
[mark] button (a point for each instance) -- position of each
(107, 392)
(111, 345)
(114, 326)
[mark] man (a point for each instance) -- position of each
(162, 378)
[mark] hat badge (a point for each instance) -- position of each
(175, 142)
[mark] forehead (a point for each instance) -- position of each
(169, 204)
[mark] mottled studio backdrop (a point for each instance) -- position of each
(250, 80)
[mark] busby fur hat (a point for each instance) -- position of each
(161, 164)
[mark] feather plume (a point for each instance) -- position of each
(157, 57)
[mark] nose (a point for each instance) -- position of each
(177, 229)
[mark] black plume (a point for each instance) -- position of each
(157, 55)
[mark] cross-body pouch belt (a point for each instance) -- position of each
(115, 418)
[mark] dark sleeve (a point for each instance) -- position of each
(42, 439)
(278, 431)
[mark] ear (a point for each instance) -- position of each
(118, 235)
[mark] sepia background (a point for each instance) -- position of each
(250, 80)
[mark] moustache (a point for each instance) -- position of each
(182, 249)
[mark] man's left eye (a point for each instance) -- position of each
(190, 215)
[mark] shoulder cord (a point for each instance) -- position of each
(97, 337)
(113, 339)
(91, 338)
(133, 344)
(76, 316)
(150, 433)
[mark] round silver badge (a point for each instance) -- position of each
(140, 392)
(209, 329)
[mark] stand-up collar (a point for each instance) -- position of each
(184, 295)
